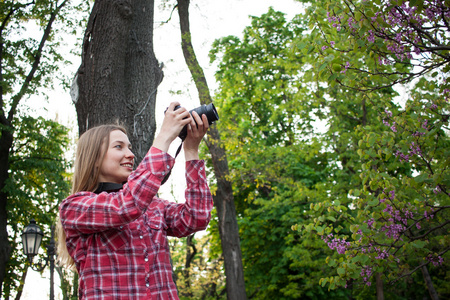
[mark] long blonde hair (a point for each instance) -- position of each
(91, 150)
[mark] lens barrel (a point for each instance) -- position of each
(209, 110)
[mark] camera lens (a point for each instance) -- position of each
(208, 110)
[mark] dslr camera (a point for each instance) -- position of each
(208, 110)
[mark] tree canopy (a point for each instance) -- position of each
(32, 164)
(320, 143)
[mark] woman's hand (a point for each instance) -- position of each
(196, 130)
(173, 123)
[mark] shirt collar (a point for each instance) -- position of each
(108, 187)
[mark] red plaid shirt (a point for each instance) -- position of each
(118, 240)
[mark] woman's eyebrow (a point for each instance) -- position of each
(122, 143)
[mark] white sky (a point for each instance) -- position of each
(209, 20)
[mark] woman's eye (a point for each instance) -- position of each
(118, 146)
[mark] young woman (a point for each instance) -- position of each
(114, 227)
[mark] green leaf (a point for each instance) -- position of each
(301, 45)
(421, 178)
(419, 244)
(332, 263)
(372, 140)
(331, 218)
(373, 202)
(322, 66)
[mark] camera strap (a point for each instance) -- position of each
(168, 174)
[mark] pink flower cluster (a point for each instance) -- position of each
(427, 215)
(437, 190)
(397, 220)
(415, 149)
(366, 273)
(335, 21)
(447, 94)
(393, 230)
(402, 17)
(436, 260)
(347, 65)
(334, 243)
(382, 253)
(406, 39)
(369, 223)
(403, 157)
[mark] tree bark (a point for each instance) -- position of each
(223, 200)
(6, 141)
(119, 74)
(379, 282)
(187, 266)
(22, 283)
(429, 283)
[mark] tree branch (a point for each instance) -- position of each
(416, 268)
(37, 59)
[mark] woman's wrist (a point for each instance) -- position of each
(191, 155)
(162, 143)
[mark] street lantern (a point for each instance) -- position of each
(31, 239)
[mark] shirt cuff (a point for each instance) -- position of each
(195, 171)
(160, 162)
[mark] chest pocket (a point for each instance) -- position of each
(121, 239)
(157, 228)
(115, 239)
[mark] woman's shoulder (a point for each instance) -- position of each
(79, 196)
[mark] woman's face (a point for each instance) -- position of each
(119, 160)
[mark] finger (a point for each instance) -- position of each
(182, 113)
(205, 122)
(197, 119)
(172, 105)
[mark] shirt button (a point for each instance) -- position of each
(168, 167)
(146, 259)
(141, 237)
(139, 226)
(164, 173)
(147, 284)
(201, 168)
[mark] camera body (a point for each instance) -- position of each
(208, 110)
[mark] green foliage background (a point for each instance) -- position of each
(306, 110)
(38, 182)
(34, 174)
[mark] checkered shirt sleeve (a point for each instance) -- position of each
(119, 240)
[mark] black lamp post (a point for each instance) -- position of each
(31, 239)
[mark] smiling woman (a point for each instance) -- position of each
(210, 20)
(119, 160)
(114, 227)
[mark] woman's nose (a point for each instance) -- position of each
(130, 154)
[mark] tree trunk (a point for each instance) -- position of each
(429, 283)
(119, 74)
(22, 283)
(223, 200)
(6, 141)
(379, 282)
(187, 266)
